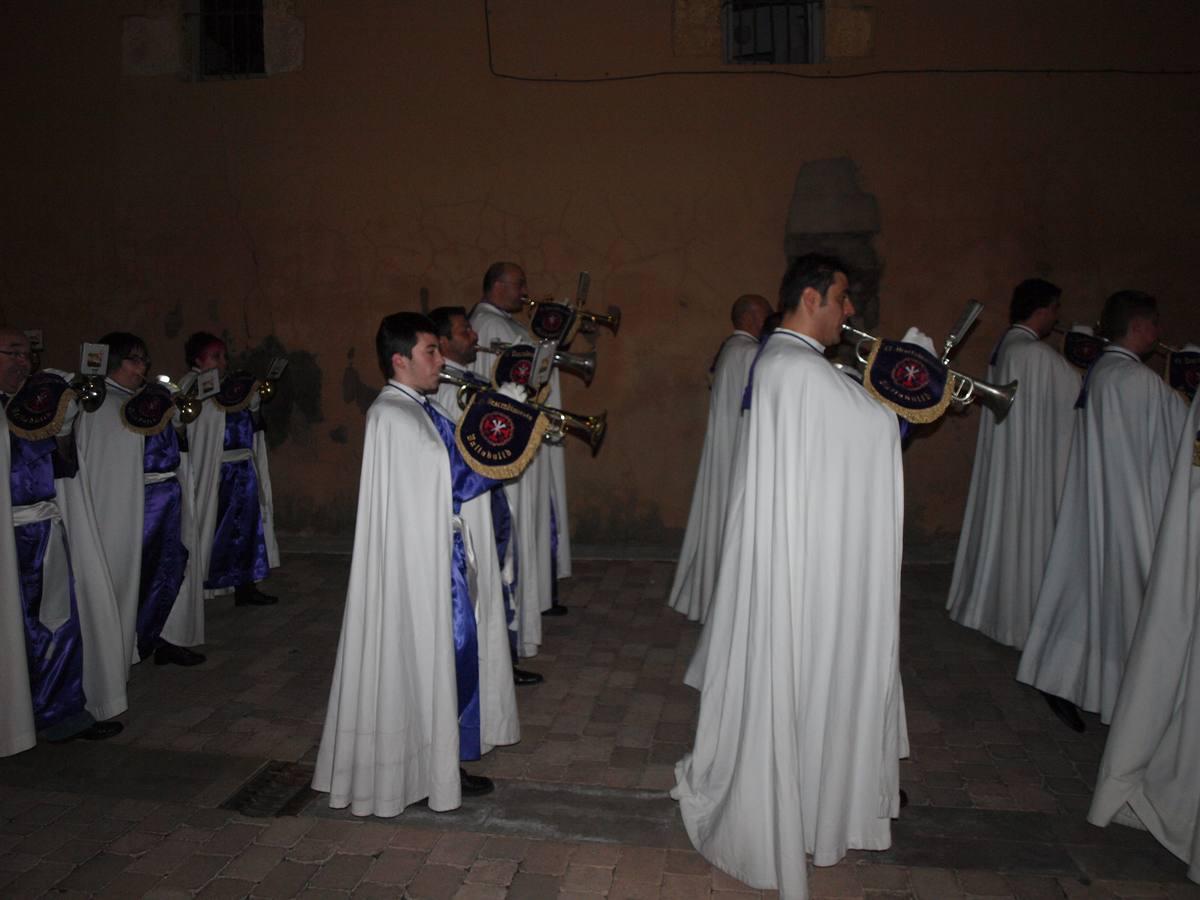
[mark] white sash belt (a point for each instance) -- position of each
(156, 477)
(460, 525)
(55, 606)
(237, 455)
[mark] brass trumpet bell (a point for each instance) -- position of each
(266, 389)
(90, 391)
(611, 321)
(189, 407)
(590, 428)
(581, 364)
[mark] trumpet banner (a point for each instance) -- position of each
(907, 379)
(499, 437)
(554, 321)
(236, 392)
(1081, 349)
(37, 410)
(1183, 371)
(149, 411)
(514, 365)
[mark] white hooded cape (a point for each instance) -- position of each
(391, 728)
(1150, 759)
(499, 723)
(696, 574)
(206, 446)
(115, 459)
(17, 731)
(1124, 443)
(528, 496)
(801, 723)
(1016, 485)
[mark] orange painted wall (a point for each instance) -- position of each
(300, 208)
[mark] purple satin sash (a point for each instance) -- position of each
(239, 551)
(553, 555)
(466, 484)
(502, 529)
(54, 658)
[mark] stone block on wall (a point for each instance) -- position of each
(696, 28)
(849, 29)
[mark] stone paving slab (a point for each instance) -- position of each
(998, 788)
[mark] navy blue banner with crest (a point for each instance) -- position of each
(1183, 371)
(37, 410)
(149, 411)
(237, 390)
(907, 379)
(514, 365)
(1082, 349)
(499, 437)
(555, 322)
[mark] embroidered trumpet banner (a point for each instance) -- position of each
(907, 379)
(499, 437)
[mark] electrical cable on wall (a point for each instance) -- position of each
(813, 76)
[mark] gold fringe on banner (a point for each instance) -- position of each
(917, 416)
(50, 429)
(512, 468)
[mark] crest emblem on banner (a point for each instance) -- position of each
(555, 322)
(237, 390)
(499, 437)
(1081, 349)
(907, 379)
(37, 410)
(149, 411)
(1183, 371)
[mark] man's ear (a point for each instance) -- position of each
(399, 363)
(810, 298)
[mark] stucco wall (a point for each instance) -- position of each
(390, 166)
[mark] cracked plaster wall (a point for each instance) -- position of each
(292, 212)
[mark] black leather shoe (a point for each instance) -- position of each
(524, 677)
(97, 731)
(474, 785)
(171, 654)
(1067, 712)
(555, 611)
(252, 596)
(903, 798)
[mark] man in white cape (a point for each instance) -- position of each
(17, 731)
(696, 574)
(116, 455)
(530, 496)
(391, 735)
(225, 445)
(1017, 481)
(1149, 764)
(801, 724)
(1127, 426)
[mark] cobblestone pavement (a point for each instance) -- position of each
(998, 788)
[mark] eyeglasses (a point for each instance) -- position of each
(138, 358)
(18, 354)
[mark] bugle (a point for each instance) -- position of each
(610, 320)
(1159, 347)
(90, 391)
(963, 388)
(581, 364)
(186, 402)
(588, 428)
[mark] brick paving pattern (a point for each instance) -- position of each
(998, 788)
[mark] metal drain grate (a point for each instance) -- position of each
(277, 789)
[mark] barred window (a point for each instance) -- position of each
(769, 31)
(227, 39)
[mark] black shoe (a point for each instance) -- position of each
(97, 731)
(1067, 712)
(555, 610)
(167, 653)
(474, 785)
(524, 677)
(903, 798)
(251, 596)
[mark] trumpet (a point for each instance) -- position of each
(1159, 347)
(610, 320)
(187, 404)
(90, 391)
(589, 428)
(581, 364)
(963, 388)
(266, 389)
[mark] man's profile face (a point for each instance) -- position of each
(1143, 334)
(509, 292)
(131, 373)
(15, 360)
(833, 310)
(212, 357)
(1045, 318)
(462, 344)
(420, 371)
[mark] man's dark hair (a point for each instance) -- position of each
(398, 334)
(812, 270)
(195, 345)
(494, 273)
(1029, 296)
(1121, 309)
(121, 345)
(443, 319)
